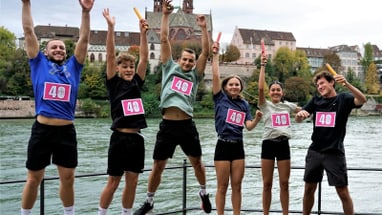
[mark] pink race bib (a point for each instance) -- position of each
(235, 117)
(132, 107)
(280, 119)
(181, 85)
(325, 119)
(57, 92)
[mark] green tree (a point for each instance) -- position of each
(297, 89)
(283, 63)
(367, 57)
(232, 53)
(335, 62)
(7, 52)
(371, 80)
(92, 83)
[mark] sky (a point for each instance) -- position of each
(314, 24)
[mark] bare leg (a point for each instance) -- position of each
(347, 202)
(128, 195)
(30, 191)
(267, 167)
(284, 173)
(156, 175)
(109, 190)
(223, 169)
(66, 185)
(310, 189)
(237, 174)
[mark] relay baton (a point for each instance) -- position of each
(331, 70)
(218, 38)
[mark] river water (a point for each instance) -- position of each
(363, 149)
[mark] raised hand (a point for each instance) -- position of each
(109, 19)
(86, 5)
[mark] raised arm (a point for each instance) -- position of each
(31, 43)
(262, 80)
(215, 68)
(202, 59)
(359, 97)
(164, 41)
(251, 124)
(143, 49)
(110, 45)
(82, 45)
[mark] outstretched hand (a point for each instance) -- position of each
(109, 19)
(215, 48)
(201, 20)
(87, 5)
(143, 25)
(167, 7)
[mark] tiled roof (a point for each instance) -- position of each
(377, 53)
(49, 31)
(268, 36)
(315, 52)
(122, 38)
(342, 48)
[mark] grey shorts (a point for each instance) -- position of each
(334, 163)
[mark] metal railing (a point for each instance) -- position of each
(185, 208)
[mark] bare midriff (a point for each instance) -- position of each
(174, 113)
(53, 121)
(128, 130)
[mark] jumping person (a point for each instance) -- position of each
(55, 83)
(126, 148)
(177, 126)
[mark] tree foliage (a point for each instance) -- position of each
(371, 80)
(232, 53)
(367, 58)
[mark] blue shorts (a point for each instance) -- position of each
(277, 148)
(126, 153)
(334, 163)
(56, 144)
(172, 133)
(229, 150)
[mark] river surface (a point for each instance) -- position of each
(363, 146)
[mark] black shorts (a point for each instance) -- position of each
(229, 150)
(126, 153)
(277, 148)
(334, 164)
(172, 133)
(56, 144)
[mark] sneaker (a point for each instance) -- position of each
(206, 204)
(145, 208)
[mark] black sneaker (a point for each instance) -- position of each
(206, 204)
(145, 208)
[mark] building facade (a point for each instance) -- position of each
(248, 41)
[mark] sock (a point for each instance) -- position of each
(203, 190)
(126, 211)
(69, 210)
(102, 211)
(150, 197)
(26, 211)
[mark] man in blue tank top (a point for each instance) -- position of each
(55, 81)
